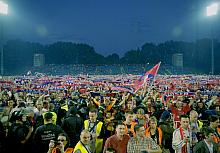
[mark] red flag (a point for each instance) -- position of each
(151, 74)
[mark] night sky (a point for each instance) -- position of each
(110, 26)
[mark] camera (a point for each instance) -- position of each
(56, 143)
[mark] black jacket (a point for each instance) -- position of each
(72, 125)
(201, 147)
(44, 134)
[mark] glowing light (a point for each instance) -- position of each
(212, 9)
(3, 8)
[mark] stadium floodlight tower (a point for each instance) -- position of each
(3, 12)
(212, 10)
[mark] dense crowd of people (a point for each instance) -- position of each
(94, 114)
(115, 69)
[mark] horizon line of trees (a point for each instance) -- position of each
(19, 55)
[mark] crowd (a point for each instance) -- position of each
(94, 114)
(102, 69)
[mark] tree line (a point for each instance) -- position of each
(19, 55)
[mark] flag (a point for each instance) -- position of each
(151, 74)
(123, 89)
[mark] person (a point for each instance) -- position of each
(214, 123)
(38, 113)
(6, 112)
(166, 125)
(45, 133)
(19, 133)
(119, 140)
(96, 129)
(195, 126)
(60, 146)
(182, 139)
(179, 110)
(201, 109)
(38, 108)
(142, 143)
(130, 123)
(207, 145)
(141, 117)
(51, 110)
(109, 124)
(154, 132)
(73, 125)
(83, 146)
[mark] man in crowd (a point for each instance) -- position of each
(83, 146)
(45, 133)
(130, 123)
(195, 126)
(73, 125)
(19, 133)
(96, 130)
(214, 124)
(179, 110)
(118, 141)
(207, 145)
(182, 136)
(142, 143)
(166, 125)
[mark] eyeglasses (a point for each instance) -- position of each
(61, 140)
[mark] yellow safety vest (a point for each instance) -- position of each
(99, 142)
(199, 124)
(54, 118)
(80, 147)
(65, 107)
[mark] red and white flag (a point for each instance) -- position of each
(151, 74)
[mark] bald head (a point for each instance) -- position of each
(85, 137)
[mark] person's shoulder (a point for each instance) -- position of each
(39, 128)
(99, 122)
(200, 144)
(148, 139)
(112, 138)
(58, 127)
(133, 139)
(176, 130)
(77, 151)
(126, 137)
(216, 145)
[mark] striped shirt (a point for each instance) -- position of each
(178, 143)
(138, 144)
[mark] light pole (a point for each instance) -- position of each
(3, 11)
(212, 10)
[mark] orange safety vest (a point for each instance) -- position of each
(68, 150)
(216, 139)
(131, 129)
(159, 132)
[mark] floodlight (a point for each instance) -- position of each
(212, 9)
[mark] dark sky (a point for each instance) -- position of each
(111, 26)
